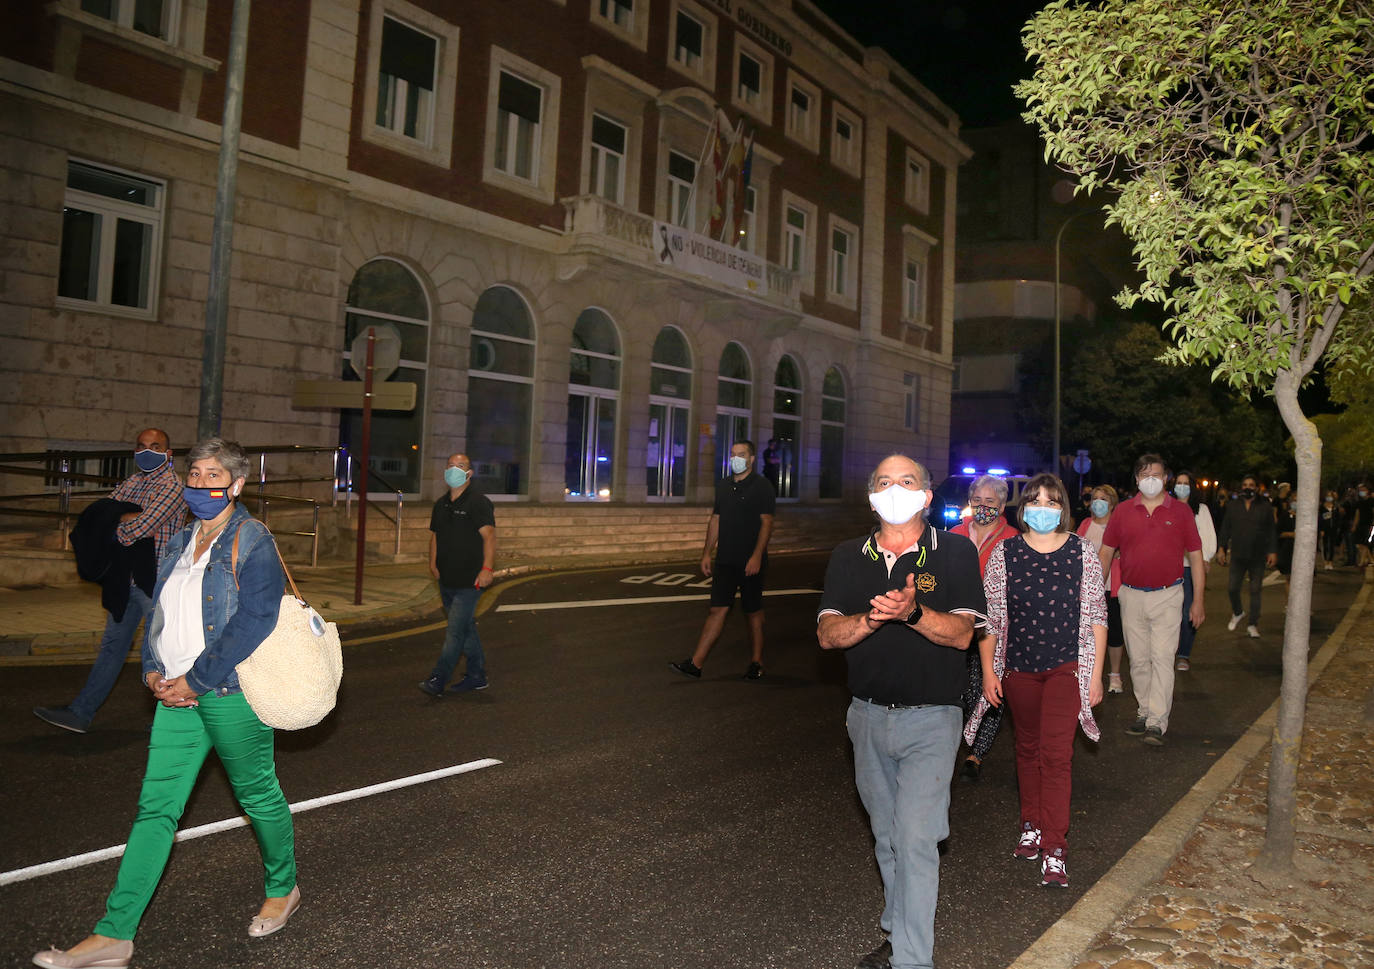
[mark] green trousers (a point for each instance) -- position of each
(180, 741)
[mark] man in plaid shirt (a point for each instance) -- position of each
(156, 489)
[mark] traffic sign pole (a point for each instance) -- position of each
(363, 459)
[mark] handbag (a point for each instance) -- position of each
(292, 679)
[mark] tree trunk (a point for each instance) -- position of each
(1277, 855)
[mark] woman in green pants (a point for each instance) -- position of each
(211, 610)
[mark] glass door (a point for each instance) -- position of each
(589, 464)
(665, 458)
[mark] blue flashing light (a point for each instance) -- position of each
(969, 470)
(601, 459)
(1000, 472)
(951, 514)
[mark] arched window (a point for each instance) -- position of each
(733, 401)
(783, 470)
(832, 434)
(500, 391)
(593, 389)
(670, 396)
(385, 295)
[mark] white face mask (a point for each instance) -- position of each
(1151, 486)
(897, 505)
(738, 464)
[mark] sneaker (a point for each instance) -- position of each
(1053, 871)
(1029, 845)
(1114, 683)
(878, 958)
(468, 683)
(1137, 728)
(62, 717)
(1235, 621)
(1182, 665)
(433, 686)
(1252, 632)
(688, 668)
(1154, 736)
(754, 672)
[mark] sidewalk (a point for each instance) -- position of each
(1183, 896)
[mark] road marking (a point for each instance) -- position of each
(634, 601)
(91, 857)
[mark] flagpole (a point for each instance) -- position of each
(701, 158)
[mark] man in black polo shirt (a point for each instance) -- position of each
(738, 531)
(903, 602)
(462, 549)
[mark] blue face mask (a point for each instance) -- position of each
(738, 465)
(206, 503)
(1181, 492)
(1100, 508)
(455, 477)
(1043, 520)
(149, 460)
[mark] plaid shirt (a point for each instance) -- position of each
(158, 493)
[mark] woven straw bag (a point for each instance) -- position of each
(292, 679)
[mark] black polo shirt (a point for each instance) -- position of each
(740, 505)
(458, 540)
(896, 664)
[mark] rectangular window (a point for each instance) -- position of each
(682, 173)
(911, 409)
(691, 36)
(917, 181)
(794, 240)
(750, 80)
(747, 241)
(608, 158)
(913, 291)
(111, 239)
(405, 81)
(840, 243)
(844, 144)
(156, 18)
(799, 114)
(518, 105)
(619, 12)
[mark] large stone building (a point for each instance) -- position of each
(521, 191)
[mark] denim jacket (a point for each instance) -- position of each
(236, 619)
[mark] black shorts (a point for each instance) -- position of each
(726, 579)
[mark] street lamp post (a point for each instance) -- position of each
(1058, 238)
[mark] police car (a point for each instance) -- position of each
(950, 503)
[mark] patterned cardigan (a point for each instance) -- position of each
(1092, 612)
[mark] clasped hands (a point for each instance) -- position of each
(171, 693)
(894, 605)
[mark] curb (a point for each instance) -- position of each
(1063, 944)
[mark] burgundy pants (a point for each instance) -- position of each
(1044, 713)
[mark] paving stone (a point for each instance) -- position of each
(1162, 934)
(1291, 945)
(1148, 947)
(1131, 964)
(1199, 959)
(1230, 933)
(1240, 962)
(1180, 925)
(1109, 953)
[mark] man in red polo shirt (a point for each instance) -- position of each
(1154, 532)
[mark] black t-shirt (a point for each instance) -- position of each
(739, 505)
(458, 541)
(896, 664)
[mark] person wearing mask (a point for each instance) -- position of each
(737, 534)
(1154, 533)
(1328, 529)
(985, 527)
(1248, 541)
(1047, 615)
(462, 555)
(1104, 501)
(156, 489)
(1362, 526)
(1185, 490)
(219, 588)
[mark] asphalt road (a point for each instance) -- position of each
(637, 818)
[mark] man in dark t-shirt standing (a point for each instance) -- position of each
(462, 549)
(738, 531)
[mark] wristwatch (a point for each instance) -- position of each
(915, 616)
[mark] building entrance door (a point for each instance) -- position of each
(665, 458)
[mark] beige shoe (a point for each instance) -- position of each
(261, 927)
(116, 955)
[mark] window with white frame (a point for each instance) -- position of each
(916, 246)
(832, 434)
(627, 18)
(799, 239)
(607, 165)
(745, 238)
(750, 80)
(845, 140)
(682, 173)
(911, 401)
(689, 41)
(917, 189)
(111, 250)
(803, 112)
(692, 41)
(406, 80)
(752, 89)
(522, 126)
(842, 277)
(519, 108)
(156, 18)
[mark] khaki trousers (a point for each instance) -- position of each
(1150, 621)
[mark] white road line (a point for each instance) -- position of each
(91, 857)
(635, 601)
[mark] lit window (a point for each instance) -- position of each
(682, 173)
(517, 127)
(111, 239)
(608, 158)
(405, 81)
(156, 18)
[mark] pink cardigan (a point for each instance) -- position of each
(1093, 612)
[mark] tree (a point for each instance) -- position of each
(1234, 139)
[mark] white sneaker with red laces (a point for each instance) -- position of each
(1029, 845)
(1052, 870)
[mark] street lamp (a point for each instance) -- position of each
(1058, 237)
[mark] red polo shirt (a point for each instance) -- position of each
(1152, 546)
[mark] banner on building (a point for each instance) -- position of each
(699, 255)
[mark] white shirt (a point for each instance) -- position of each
(182, 638)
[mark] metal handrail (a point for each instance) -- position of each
(390, 486)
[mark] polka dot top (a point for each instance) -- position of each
(1042, 605)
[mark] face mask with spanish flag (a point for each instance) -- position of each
(206, 503)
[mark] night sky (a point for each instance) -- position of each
(968, 53)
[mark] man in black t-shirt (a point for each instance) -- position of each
(903, 602)
(462, 549)
(738, 531)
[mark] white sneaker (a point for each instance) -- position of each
(1114, 683)
(1252, 632)
(1235, 621)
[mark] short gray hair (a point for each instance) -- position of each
(922, 473)
(998, 486)
(229, 454)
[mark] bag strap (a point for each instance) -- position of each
(234, 562)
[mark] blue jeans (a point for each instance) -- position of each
(114, 650)
(1186, 631)
(461, 639)
(903, 763)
